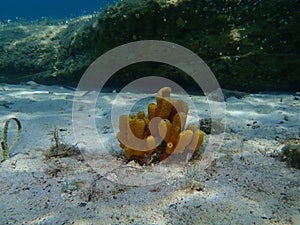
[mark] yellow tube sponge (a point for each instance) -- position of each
(164, 130)
(169, 148)
(175, 131)
(128, 152)
(122, 145)
(184, 139)
(197, 140)
(151, 143)
(153, 126)
(140, 115)
(179, 106)
(164, 92)
(179, 120)
(147, 129)
(152, 110)
(164, 107)
(134, 152)
(161, 131)
(137, 127)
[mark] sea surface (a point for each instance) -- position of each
(12, 10)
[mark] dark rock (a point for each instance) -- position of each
(290, 153)
(209, 126)
(82, 204)
(286, 118)
(233, 93)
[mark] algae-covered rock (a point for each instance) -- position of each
(291, 154)
(44, 52)
(249, 45)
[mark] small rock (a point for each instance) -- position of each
(291, 154)
(32, 84)
(286, 118)
(208, 126)
(82, 204)
(200, 189)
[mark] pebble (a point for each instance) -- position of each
(286, 118)
(32, 84)
(82, 204)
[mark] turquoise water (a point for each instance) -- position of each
(55, 9)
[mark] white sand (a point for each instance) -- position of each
(243, 185)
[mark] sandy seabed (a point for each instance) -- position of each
(244, 184)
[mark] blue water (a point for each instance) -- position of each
(54, 9)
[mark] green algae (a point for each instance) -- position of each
(5, 148)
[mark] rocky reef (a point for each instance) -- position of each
(249, 45)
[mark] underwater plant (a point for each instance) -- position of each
(161, 133)
(61, 150)
(4, 146)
